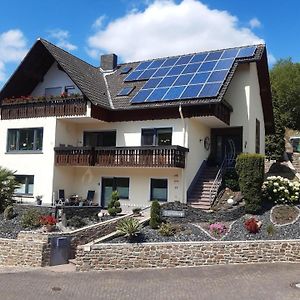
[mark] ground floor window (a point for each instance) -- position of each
(121, 185)
(26, 183)
(159, 189)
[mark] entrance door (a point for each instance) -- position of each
(107, 189)
(226, 143)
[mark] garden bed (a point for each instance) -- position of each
(196, 227)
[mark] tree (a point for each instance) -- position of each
(285, 84)
(8, 185)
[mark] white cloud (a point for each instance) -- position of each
(61, 38)
(169, 28)
(254, 23)
(99, 22)
(271, 59)
(13, 47)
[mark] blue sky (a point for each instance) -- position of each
(141, 29)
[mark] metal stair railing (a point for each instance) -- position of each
(217, 182)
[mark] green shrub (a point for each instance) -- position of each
(136, 210)
(155, 218)
(8, 185)
(31, 218)
(281, 190)
(167, 229)
(9, 212)
(271, 230)
(114, 206)
(250, 168)
(231, 180)
(76, 221)
(130, 227)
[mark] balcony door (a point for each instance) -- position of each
(99, 138)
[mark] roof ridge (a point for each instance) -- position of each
(191, 53)
(76, 57)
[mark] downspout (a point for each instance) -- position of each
(184, 145)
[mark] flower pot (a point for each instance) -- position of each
(39, 201)
(49, 228)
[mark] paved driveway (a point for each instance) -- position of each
(263, 281)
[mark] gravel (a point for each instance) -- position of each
(188, 233)
(10, 228)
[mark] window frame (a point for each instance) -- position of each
(257, 136)
(155, 133)
(151, 189)
(99, 132)
(17, 141)
(27, 182)
(52, 88)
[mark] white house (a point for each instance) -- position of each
(145, 129)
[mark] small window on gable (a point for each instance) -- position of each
(53, 91)
(126, 91)
(70, 90)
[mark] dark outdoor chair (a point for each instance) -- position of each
(90, 197)
(61, 197)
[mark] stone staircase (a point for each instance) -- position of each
(200, 194)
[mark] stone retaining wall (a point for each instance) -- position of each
(21, 252)
(189, 254)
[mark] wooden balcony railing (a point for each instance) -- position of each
(74, 156)
(151, 157)
(42, 108)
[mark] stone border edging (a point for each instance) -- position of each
(285, 224)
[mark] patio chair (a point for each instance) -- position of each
(90, 197)
(61, 197)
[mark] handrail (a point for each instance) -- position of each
(217, 182)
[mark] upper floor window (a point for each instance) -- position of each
(156, 137)
(53, 91)
(99, 138)
(25, 139)
(70, 90)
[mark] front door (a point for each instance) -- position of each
(226, 143)
(106, 191)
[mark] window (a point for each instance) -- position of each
(70, 90)
(53, 91)
(25, 139)
(26, 183)
(159, 189)
(121, 185)
(99, 139)
(257, 137)
(156, 137)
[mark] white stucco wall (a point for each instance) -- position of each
(40, 165)
(54, 78)
(78, 180)
(244, 95)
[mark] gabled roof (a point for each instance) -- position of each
(38, 61)
(102, 88)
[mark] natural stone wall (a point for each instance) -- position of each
(161, 255)
(15, 252)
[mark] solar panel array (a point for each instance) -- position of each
(192, 76)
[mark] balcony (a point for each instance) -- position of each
(29, 107)
(147, 157)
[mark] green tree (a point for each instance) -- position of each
(285, 84)
(7, 186)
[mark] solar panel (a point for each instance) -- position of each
(125, 70)
(126, 91)
(199, 75)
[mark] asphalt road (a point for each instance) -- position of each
(261, 281)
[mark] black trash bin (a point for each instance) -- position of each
(60, 250)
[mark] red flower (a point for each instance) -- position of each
(48, 220)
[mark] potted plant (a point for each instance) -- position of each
(39, 199)
(48, 222)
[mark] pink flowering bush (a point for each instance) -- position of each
(217, 229)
